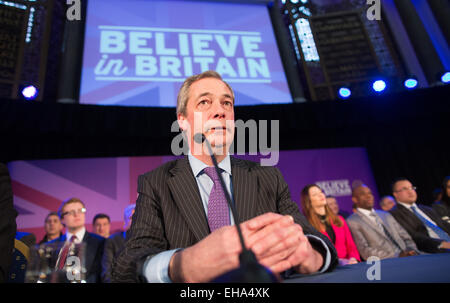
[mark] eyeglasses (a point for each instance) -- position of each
(74, 212)
(406, 188)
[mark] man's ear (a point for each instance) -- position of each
(182, 122)
(354, 200)
(395, 196)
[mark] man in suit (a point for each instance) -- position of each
(73, 215)
(376, 233)
(179, 235)
(53, 227)
(387, 203)
(8, 225)
(101, 225)
(115, 244)
(427, 229)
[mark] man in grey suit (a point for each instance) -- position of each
(376, 232)
(174, 237)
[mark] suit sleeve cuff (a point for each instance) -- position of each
(319, 245)
(156, 268)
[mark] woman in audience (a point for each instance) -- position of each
(443, 207)
(333, 226)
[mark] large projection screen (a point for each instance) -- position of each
(137, 53)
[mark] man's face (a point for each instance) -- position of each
(363, 198)
(209, 110)
(74, 217)
(332, 204)
(405, 192)
(387, 203)
(53, 225)
(102, 227)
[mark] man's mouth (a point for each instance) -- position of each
(218, 128)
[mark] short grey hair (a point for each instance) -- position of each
(183, 93)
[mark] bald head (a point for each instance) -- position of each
(362, 197)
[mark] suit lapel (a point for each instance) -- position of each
(409, 216)
(88, 254)
(245, 190)
(369, 222)
(186, 195)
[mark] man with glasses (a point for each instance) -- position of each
(427, 229)
(73, 215)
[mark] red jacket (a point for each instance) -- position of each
(345, 246)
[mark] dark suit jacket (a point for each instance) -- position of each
(417, 229)
(443, 210)
(169, 212)
(93, 255)
(113, 247)
(8, 225)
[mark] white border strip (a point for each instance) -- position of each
(158, 79)
(177, 30)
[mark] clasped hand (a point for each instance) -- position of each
(276, 240)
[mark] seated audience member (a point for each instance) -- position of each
(442, 207)
(387, 203)
(102, 225)
(424, 225)
(115, 244)
(333, 226)
(334, 207)
(73, 215)
(53, 227)
(8, 225)
(376, 232)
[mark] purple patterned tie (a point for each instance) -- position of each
(218, 213)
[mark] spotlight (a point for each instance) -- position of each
(445, 78)
(344, 92)
(379, 85)
(30, 92)
(410, 82)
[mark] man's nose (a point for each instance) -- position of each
(217, 110)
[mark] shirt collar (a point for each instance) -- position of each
(79, 234)
(197, 166)
(408, 206)
(365, 211)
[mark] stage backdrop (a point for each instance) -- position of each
(137, 53)
(108, 185)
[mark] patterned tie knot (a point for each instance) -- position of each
(211, 172)
(73, 238)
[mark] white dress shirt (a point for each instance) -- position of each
(368, 213)
(79, 234)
